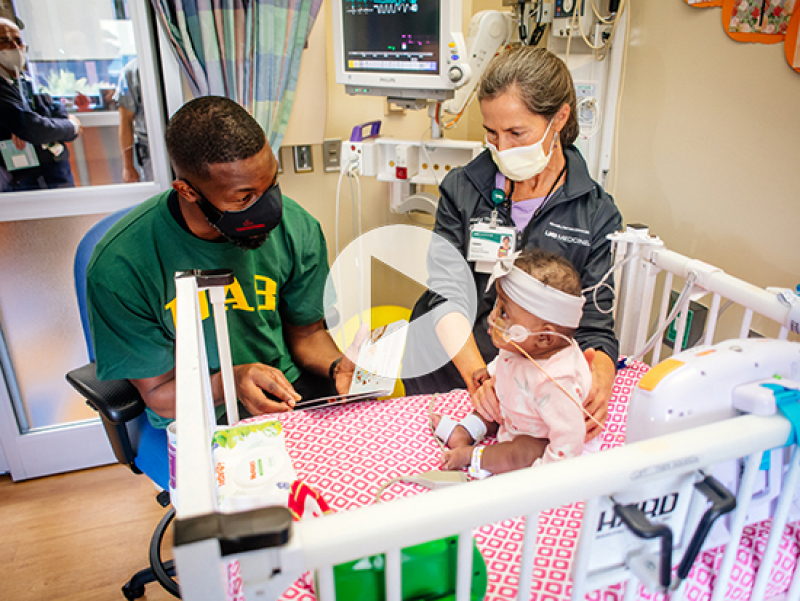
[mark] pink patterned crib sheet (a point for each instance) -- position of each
(347, 452)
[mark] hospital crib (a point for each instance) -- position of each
(272, 552)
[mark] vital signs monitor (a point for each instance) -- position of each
(411, 49)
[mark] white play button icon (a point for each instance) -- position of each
(420, 255)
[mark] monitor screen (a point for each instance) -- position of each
(399, 36)
(411, 49)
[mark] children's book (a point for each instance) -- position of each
(377, 367)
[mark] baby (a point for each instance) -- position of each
(540, 376)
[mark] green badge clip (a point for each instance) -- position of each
(498, 196)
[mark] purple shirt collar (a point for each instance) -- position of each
(521, 211)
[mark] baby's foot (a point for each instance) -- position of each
(457, 458)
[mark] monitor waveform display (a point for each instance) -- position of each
(391, 35)
(381, 7)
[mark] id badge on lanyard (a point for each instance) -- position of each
(489, 242)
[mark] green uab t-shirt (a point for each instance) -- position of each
(131, 291)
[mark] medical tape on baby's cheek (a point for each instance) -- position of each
(546, 303)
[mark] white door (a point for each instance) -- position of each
(77, 51)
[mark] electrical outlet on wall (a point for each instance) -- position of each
(331, 155)
(303, 162)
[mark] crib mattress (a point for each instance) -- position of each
(348, 452)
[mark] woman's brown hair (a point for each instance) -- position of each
(541, 80)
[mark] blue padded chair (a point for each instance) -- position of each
(134, 441)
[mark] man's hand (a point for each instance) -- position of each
(253, 379)
(343, 375)
(596, 403)
(485, 401)
(19, 143)
(250, 381)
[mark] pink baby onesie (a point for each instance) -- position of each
(533, 404)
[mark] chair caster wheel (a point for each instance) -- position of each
(131, 592)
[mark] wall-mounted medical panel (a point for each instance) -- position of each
(419, 162)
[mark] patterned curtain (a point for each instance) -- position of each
(246, 50)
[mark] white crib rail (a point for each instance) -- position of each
(637, 284)
(722, 285)
(634, 324)
(321, 543)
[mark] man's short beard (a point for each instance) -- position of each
(249, 243)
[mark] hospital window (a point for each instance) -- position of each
(77, 51)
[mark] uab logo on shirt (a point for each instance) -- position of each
(261, 299)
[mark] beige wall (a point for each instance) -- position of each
(709, 143)
(708, 146)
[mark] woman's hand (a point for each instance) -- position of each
(479, 376)
(596, 403)
(344, 372)
(485, 401)
(455, 334)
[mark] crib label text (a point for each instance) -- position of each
(652, 509)
(654, 470)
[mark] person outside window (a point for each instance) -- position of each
(33, 127)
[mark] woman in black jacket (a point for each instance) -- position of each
(539, 185)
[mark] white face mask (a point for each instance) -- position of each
(523, 162)
(13, 60)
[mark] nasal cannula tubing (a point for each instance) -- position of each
(572, 398)
(602, 282)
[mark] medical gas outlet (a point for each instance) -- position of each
(419, 163)
(566, 23)
(405, 161)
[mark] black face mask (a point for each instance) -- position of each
(249, 227)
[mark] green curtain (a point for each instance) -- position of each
(246, 50)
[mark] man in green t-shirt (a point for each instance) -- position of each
(224, 211)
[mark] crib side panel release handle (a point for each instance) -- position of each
(636, 521)
(722, 501)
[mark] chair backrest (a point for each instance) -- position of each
(134, 441)
(82, 256)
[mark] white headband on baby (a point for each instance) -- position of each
(548, 304)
